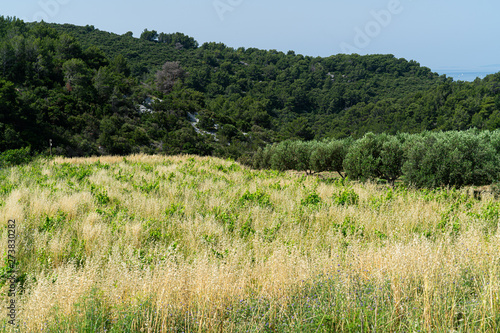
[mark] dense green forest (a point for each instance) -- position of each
(93, 92)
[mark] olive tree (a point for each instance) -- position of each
(375, 156)
(329, 156)
(451, 159)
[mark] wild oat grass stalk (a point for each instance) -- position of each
(191, 244)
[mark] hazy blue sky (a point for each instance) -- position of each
(437, 33)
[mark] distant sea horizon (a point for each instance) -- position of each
(467, 74)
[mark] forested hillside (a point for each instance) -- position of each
(94, 92)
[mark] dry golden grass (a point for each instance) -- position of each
(193, 246)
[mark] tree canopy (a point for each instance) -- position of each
(94, 92)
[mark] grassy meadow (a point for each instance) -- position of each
(192, 244)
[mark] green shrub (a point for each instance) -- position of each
(346, 197)
(246, 229)
(258, 197)
(312, 199)
(49, 223)
(227, 219)
(175, 208)
(15, 157)
(100, 194)
(349, 227)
